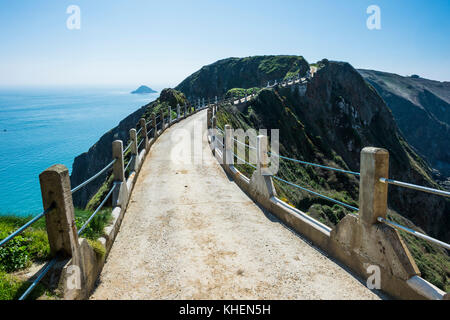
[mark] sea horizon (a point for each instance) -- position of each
(45, 125)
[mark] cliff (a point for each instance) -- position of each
(100, 154)
(421, 109)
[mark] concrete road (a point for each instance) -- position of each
(191, 233)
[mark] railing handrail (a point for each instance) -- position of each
(26, 226)
(80, 231)
(415, 187)
(314, 164)
(414, 232)
(93, 177)
(317, 194)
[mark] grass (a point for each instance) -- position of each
(432, 260)
(32, 247)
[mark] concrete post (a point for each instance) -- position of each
(60, 222)
(134, 150)
(372, 192)
(134, 144)
(170, 116)
(214, 132)
(215, 101)
(178, 111)
(185, 109)
(155, 128)
(199, 103)
(262, 156)
(144, 132)
(208, 119)
(268, 84)
(117, 153)
(203, 102)
(228, 150)
(246, 96)
(120, 194)
(162, 120)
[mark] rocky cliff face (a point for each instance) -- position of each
(217, 78)
(100, 154)
(421, 108)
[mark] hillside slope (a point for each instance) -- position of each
(217, 78)
(421, 108)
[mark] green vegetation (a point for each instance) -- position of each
(98, 247)
(432, 260)
(247, 72)
(32, 247)
(240, 93)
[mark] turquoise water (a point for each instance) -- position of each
(42, 127)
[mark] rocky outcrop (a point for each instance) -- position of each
(143, 90)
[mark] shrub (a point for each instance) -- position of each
(14, 255)
(94, 229)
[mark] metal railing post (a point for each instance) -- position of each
(170, 115)
(373, 193)
(185, 110)
(178, 111)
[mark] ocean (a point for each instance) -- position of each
(43, 127)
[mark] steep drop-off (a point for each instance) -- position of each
(100, 154)
(421, 108)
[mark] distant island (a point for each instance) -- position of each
(143, 90)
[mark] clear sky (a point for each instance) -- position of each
(159, 43)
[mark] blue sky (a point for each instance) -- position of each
(159, 43)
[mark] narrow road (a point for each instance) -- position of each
(190, 233)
